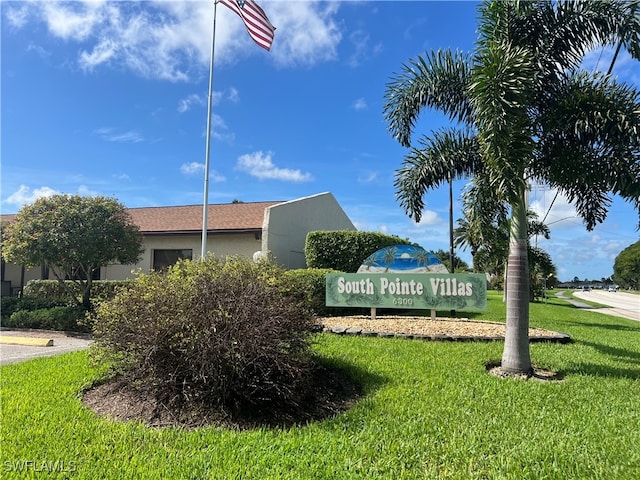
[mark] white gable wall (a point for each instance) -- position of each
(286, 226)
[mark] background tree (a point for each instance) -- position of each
(523, 111)
(460, 265)
(626, 268)
(72, 236)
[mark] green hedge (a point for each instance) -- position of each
(309, 285)
(345, 250)
(101, 290)
(10, 305)
(68, 319)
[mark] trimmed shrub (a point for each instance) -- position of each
(101, 290)
(309, 286)
(11, 305)
(66, 319)
(345, 250)
(220, 333)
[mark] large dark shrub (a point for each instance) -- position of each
(222, 333)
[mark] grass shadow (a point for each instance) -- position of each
(630, 357)
(615, 352)
(604, 371)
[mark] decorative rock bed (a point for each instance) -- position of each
(424, 328)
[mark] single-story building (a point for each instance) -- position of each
(169, 233)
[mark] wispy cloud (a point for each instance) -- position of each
(368, 177)
(260, 165)
(38, 50)
(196, 168)
(193, 168)
(359, 104)
(185, 104)
(122, 177)
(24, 195)
(112, 135)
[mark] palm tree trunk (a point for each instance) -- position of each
(516, 357)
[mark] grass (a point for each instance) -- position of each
(430, 411)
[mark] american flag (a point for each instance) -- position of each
(254, 18)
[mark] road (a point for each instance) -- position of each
(622, 304)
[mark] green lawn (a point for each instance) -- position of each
(430, 411)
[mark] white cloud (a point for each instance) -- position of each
(172, 40)
(86, 191)
(360, 104)
(185, 104)
(368, 177)
(74, 21)
(111, 135)
(553, 207)
(38, 50)
(193, 168)
(16, 16)
(259, 165)
(101, 53)
(306, 32)
(429, 217)
(24, 195)
(233, 95)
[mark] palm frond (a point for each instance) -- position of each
(437, 80)
(446, 155)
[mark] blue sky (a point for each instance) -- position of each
(110, 98)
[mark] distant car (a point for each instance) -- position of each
(612, 288)
(586, 289)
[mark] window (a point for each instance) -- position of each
(165, 258)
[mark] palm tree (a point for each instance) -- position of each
(525, 111)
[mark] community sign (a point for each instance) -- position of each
(406, 279)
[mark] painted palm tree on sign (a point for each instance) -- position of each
(525, 111)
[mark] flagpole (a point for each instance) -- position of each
(205, 202)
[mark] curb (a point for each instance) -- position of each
(28, 341)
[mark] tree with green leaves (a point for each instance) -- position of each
(626, 268)
(72, 236)
(485, 228)
(444, 257)
(524, 110)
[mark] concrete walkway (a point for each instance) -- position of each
(575, 303)
(19, 345)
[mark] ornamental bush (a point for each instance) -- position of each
(309, 286)
(345, 250)
(62, 318)
(212, 332)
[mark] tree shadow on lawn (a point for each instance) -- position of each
(336, 386)
(605, 326)
(595, 370)
(628, 356)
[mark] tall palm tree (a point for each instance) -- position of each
(524, 110)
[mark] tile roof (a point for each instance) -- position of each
(188, 218)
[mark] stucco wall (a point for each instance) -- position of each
(286, 226)
(244, 244)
